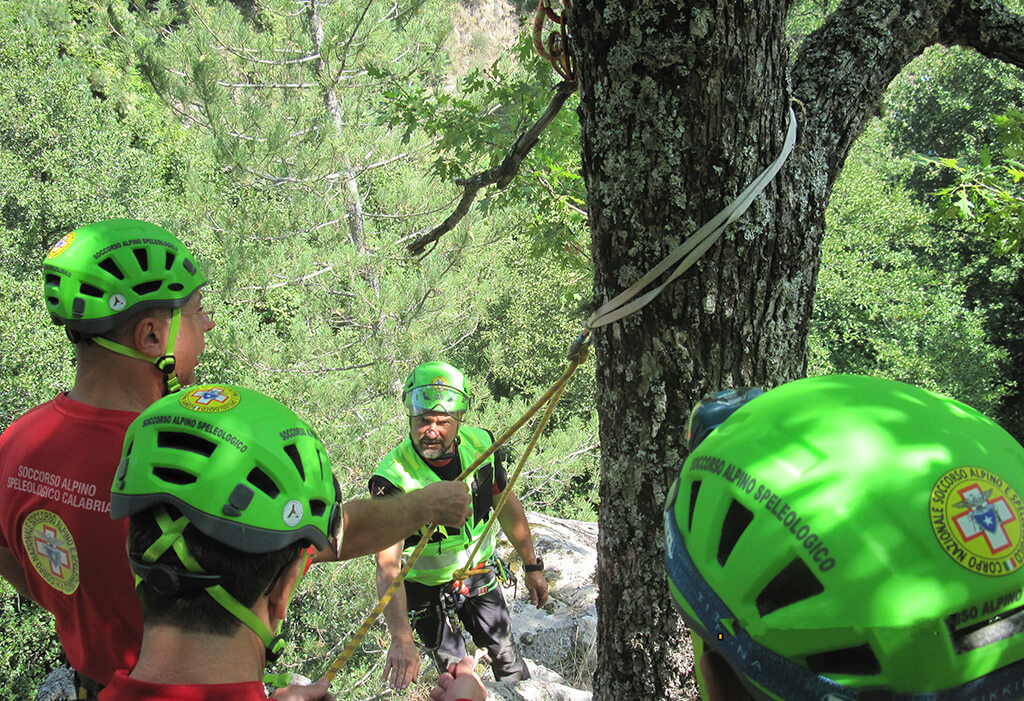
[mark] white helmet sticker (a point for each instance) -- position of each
(292, 514)
(117, 302)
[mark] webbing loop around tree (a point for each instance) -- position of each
(577, 355)
(694, 246)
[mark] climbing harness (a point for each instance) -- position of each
(577, 355)
(502, 573)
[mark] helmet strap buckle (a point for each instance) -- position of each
(165, 364)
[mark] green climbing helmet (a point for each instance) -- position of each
(845, 535)
(435, 387)
(242, 467)
(98, 275)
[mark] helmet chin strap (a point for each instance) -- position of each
(172, 538)
(165, 363)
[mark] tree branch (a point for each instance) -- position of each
(501, 175)
(987, 27)
(841, 84)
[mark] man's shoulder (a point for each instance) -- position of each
(477, 435)
(29, 423)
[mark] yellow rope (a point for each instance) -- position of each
(559, 388)
(577, 355)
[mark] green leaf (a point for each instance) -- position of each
(965, 206)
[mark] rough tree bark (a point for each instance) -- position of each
(682, 104)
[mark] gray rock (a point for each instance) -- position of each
(559, 640)
(59, 685)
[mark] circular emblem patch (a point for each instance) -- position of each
(210, 398)
(977, 517)
(117, 302)
(292, 513)
(439, 381)
(60, 246)
(51, 550)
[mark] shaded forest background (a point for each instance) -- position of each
(299, 147)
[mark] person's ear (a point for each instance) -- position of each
(150, 335)
(281, 592)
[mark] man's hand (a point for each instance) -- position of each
(403, 664)
(459, 682)
(449, 503)
(538, 588)
(301, 692)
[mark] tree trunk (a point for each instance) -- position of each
(682, 105)
(353, 200)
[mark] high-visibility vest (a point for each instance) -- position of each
(404, 468)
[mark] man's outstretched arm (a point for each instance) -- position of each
(371, 525)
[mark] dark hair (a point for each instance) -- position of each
(120, 333)
(247, 576)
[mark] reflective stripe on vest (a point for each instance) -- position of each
(405, 469)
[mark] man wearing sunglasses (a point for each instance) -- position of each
(439, 448)
(849, 537)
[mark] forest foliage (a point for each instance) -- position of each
(297, 152)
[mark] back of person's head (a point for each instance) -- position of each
(850, 537)
(100, 279)
(225, 488)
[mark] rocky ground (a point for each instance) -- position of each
(558, 641)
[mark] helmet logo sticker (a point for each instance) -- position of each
(439, 381)
(51, 550)
(209, 399)
(117, 302)
(292, 513)
(60, 246)
(977, 518)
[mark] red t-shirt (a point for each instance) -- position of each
(57, 463)
(124, 688)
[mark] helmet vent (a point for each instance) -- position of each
(262, 481)
(736, 521)
(110, 266)
(293, 453)
(189, 266)
(989, 631)
(173, 475)
(169, 260)
(794, 583)
(53, 280)
(177, 440)
(317, 507)
(694, 491)
(175, 287)
(140, 255)
(90, 290)
(145, 288)
(858, 660)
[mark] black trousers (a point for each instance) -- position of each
(484, 616)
